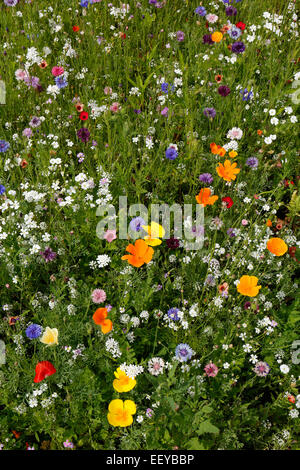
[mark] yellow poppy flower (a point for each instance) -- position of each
(248, 286)
(122, 382)
(120, 413)
(50, 336)
(155, 232)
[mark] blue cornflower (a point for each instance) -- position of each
(171, 153)
(247, 95)
(136, 224)
(4, 146)
(33, 331)
(84, 3)
(183, 352)
(61, 82)
(200, 11)
(234, 32)
(173, 313)
(2, 189)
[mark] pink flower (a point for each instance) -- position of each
(110, 235)
(114, 107)
(21, 74)
(211, 370)
(107, 90)
(98, 296)
(56, 71)
(244, 222)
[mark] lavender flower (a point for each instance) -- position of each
(206, 178)
(183, 352)
(180, 36)
(252, 162)
(200, 11)
(136, 224)
(209, 112)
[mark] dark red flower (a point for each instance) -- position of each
(241, 25)
(228, 201)
(43, 369)
(84, 116)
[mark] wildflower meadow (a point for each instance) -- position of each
(149, 217)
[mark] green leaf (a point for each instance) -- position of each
(194, 444)
(206, 426)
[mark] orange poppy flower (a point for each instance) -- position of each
(205, 198)
(259, 132)
(228, 171)
(99, 318)
(216, 36)
(232, 154)
(269, 223)
(277, 246)
(140, 253)
(248, 286)
(217, 149)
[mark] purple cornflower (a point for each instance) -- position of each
(230, 232)
(136, 224)
(171, 153)
(183, 352)
(4, 146)
(11, 3)
(261, 369)
(27, 132)
(206, 178)
(67, 443)
(35, 122)
(33, 331)
(210, 280)
(164, 112)
(224, 90)
(200, 11)
(207, 39)
(231, 11)
(48, 254)
(180, 36)
(149, 413)
(252, 162)
(238, 47)
(209, 112)
(173, 313)
(83, 134)
(80, 157)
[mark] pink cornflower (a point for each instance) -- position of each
(98, 296)
(211, 370)
(107, 90)
(56, 71)
(114, 107)
(110, 235)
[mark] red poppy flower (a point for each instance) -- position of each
(228, 201)
(76, 28)
(84, 115)
(241, 25)
(43, 369)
